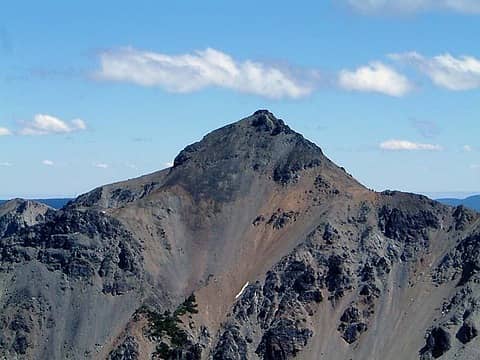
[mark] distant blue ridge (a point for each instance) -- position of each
(472, 202)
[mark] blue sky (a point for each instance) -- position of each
(95, 92)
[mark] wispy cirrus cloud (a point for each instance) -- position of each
(410, 6)
(375, 77)
(186, 73)
(446, 71)
(5, 164)
(43, 124)
(405, 145)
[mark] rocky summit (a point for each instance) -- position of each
(254, 245)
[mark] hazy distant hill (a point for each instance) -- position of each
(472, 202)
(54, 203)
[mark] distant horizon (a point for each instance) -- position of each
(461, 195)
(432, 195)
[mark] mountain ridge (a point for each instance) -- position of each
(154, 266)
(56, 203)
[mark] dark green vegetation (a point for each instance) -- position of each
(164, 328)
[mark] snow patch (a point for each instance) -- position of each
(241, 291)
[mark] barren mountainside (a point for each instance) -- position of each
(254, 245)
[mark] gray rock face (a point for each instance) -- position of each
(81, 245)
(128, 350)
(17, 214)
(83, 252)
(283, 340)
(286, 254)
(467, 332)
(289, 289)
(351, 325)
(328, 265)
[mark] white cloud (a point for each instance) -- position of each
(5, 164)
(447, 71)
(101, 165)
(375, 77)
(467, 148)
(4, 131)
(48, 162)
(406, 6)
(475, 166)
(46, 124)
(187, 73)
(408, 146)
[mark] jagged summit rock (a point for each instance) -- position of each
(227, 160)
(19, 213)
(254, 245)
(22, 206)
(259, 137)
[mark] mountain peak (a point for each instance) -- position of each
(252, 133)
(263, 111)
(258, 146)
(265, 120)
(225, 163)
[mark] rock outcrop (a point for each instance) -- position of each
(17, 214)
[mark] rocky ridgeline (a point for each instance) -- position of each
(81, 244)
(17, 214)
(114, 196)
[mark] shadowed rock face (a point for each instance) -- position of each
(438, 343)
(254, 245)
